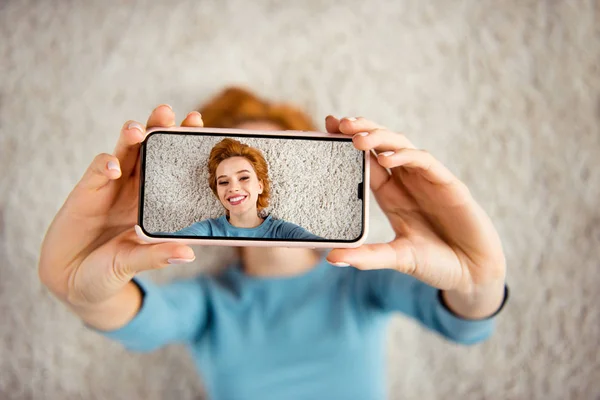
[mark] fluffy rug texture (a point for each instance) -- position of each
(314, 183)
(506, 94)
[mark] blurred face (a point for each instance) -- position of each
(238, 186)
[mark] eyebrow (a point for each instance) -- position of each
(240, 171)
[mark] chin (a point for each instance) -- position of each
(239, 212)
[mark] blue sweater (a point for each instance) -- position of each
(270, 228)
(320, 335)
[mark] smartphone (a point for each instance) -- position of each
(234, 187)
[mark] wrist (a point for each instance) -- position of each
(114, 312)
(480, 302)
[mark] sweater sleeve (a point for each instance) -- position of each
(389, 290)
(175, 312)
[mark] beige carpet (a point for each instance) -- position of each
(505, 93)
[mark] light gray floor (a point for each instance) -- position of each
(504, 93)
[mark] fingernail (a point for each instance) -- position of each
(135, 125)
(166, 105)
(340, 264)
(387, 153)
(195, 113)
(113, 166)
(351, 119)
(180, 260)
(361, 134)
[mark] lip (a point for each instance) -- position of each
(237, 202)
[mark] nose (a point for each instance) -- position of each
(234, 187)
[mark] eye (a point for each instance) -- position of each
(244, 178)
(222, 183)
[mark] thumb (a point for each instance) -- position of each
(396, 255)
(144, 257)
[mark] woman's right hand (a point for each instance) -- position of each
(91, 251)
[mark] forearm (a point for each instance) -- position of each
(480, 303)
(113, 313)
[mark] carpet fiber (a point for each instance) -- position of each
(506, 94)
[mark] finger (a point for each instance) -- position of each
(162, 116)
(103, 169)
(332, 124)
(353, 125)
(128, 146)
(379, 175)
(193, 119)
(397, 255)
(420, 161)
(137, 169)
(381, 140)
(143, 257)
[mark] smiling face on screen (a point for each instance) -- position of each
(238, 186)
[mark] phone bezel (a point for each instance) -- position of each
(256, 242)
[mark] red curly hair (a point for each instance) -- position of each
(234, 106)
(228, 148)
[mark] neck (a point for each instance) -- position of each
(278, 261)
(249, 219)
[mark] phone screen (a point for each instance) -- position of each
(251, 187)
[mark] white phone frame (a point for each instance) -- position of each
(143, 235)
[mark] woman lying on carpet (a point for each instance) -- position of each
(282, 323)
(239, 177)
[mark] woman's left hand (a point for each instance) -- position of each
(443, 237)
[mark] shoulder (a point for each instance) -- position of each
(284, 227)
(290, 230)
(281, 222)
(200, 228)
(214, 221)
